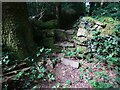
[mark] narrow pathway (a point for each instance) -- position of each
(64, 73)
(80, 77)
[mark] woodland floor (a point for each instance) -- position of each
(79, 78)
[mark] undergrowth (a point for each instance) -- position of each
(37, 70)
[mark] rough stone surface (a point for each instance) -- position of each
(83, 49)
(72, 63)
(65, 44)
(70, 32)
(82, 32)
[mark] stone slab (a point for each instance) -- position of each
(72, 63)
(70, 32)
(65, 44)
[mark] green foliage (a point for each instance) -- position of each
(90, 69)
(5, 60)
(43, 52)
(35, 72)
(19, 75)
(103, 46)
(72, 53)
(95, 84)
(56, 86)
(111, 10)
(107, 49)
(51, 77)
(68, 82)
(117, 79)
(81, 76)
(83, 72)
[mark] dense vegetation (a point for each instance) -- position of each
(31, 32)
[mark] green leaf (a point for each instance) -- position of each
(57, 85)
(90, 69)
(81, 76)
(95, 84)
(51, 76)
(53, 87)
(41, 69)
(41, 50)
(40, 75)
(68, 82)
(19, 74)
(38, 54)
(34, 88)
(48, 51)
(117, 79)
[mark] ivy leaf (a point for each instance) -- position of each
(40, 75)
(68, 82)
(58, 85)
(90, 69)
(41, 50)
(117, 79)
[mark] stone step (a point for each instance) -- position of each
(72, 63)
(65, 44)
(80, 43)
(70, 32)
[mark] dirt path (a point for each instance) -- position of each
(79, 77)
(64, 73)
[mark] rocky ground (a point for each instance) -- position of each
(80, 73)
(79, 77)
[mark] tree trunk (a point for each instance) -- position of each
(17, 36)
(92, 4)
(58, 13)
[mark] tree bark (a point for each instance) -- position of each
(17, 36)
(92, 4)
(58, 13)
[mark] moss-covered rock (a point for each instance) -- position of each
(90, 28)
(104, 25)
(82, 49)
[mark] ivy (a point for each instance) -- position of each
(36, 70)
(95, 84)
